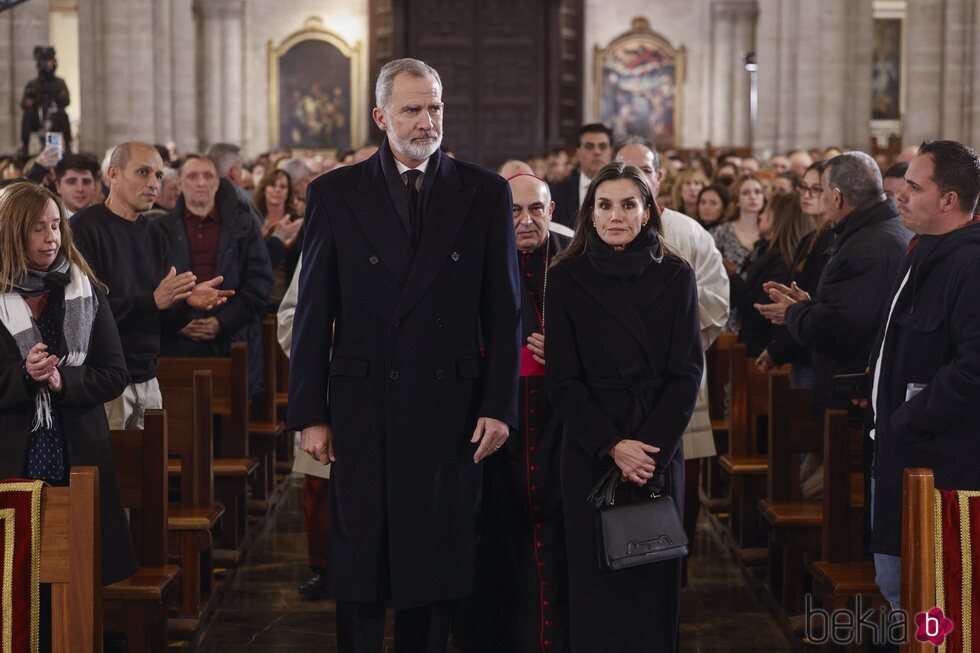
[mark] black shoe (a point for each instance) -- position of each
(314, 588)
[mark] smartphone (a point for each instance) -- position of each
(54, 140)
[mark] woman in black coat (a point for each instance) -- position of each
(624, 364)
(60, 361)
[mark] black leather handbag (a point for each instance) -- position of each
(637, 533)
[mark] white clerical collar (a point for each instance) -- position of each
(402, 168)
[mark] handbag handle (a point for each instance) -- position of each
(604, 493)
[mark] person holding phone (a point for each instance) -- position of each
(274, 200)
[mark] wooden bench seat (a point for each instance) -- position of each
(137, 606)
(756, 465)
(193, 518)
(222, 467)
(792, 513)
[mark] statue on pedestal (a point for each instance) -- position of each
(45, 99)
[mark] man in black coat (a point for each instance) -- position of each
(593, 150)
(212, 232)
(411, 279)
(838, 323)
(926, 360)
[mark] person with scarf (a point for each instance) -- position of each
(624, 367)
(60, 360)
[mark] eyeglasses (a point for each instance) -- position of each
(813, 191)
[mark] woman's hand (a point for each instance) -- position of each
(632, 459)
(54, 381)
(764, 361)
(39, 364)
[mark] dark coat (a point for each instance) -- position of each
(763, 265)
(565, 195)
(87, 387)
(243, 260)
(624, 361)
(407, 381)
(808, 264)
(933, 340)
(848, 306)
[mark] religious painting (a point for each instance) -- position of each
(639, 76)
(886, 69)
(315, 91)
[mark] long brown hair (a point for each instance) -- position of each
(734, 211)
(21, 205)
(267, 180)
(789, 225)
(583, 221)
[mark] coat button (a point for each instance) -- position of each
(439, 323)
(396, 324)
(373, 260)
(393, 374)
(440, 374)
(454, 256)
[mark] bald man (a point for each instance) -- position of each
(521, 593)
(131, 255)
(689, 239)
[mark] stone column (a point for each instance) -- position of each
(732, 35)
(220, 27)
(21, 29)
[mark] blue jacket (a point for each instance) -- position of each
(933, 342)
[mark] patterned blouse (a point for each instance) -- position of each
(732, 250)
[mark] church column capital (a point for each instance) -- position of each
(217, 9)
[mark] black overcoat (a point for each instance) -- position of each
(624, 361)
(933, 342)
(407, 379)
(87, 387)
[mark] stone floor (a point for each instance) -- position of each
(262, 612)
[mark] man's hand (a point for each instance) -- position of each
(317, 440)
(491, 434)
(782, 297)
(535, 342)
(48, 158)
(206, 328)
(764, 361)
(173, 288)
(287, 231)
(40, 365)
(206, 296)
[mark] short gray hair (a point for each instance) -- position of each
(856, 176)
(224, 155)
(386, 78)
(296, 169)
(639, 140)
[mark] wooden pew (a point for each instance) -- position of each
(71, 561)
(264, 427)
(714, 486)
(842, 575)
(195, 515)
(234, 466)
(284, 454)
(137, 606)
(743, 463)
(793, 524)
(918, 593)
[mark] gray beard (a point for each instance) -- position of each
(413, 151)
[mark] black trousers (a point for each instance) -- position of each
(361, 627)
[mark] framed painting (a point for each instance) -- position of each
(639, 78)
(886, 70)
(314, 91)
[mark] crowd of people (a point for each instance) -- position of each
(421, 287)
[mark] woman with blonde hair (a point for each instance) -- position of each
(685, 190)
(60, 361)
(736, 237)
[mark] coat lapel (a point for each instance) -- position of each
(375, 212)
(445, 212)
(615, 299)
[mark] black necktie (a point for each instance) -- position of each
(415, 214)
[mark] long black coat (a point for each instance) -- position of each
(243, 260)
(624, 362)
(848, 306)
(87, 387)
(407, 380)
(764, 265)
(933, 340)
